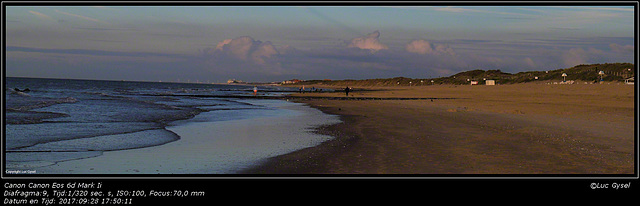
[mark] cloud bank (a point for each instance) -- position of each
(362, 57)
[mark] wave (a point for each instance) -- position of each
(113, 142)
(25, 103)
(50, 153)
(30, 117)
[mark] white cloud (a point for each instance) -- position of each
(263, 50)
(444, 49)
(370, 42)
(222, 43)
(239, 47)
(246, 48)
(421, 46)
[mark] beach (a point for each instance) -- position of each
(149, 128)
(531, 128)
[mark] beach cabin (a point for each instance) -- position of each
(629, 80)
(490, 82)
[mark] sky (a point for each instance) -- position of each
(275, 43)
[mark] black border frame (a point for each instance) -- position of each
(443, 183)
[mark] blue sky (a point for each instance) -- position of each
(274, 43)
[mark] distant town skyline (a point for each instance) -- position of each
(276, 43)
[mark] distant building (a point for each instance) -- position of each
(474, 82)
(293, 81)
(234, 81)
(490, 82)
(630, 80)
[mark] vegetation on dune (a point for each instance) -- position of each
(613, 72)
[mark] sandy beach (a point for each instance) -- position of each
(502, 129)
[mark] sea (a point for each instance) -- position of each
(52, 125)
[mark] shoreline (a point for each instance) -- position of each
(212, 147)
(489, 132)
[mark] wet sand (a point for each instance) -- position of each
(212, 147)
(502, 129)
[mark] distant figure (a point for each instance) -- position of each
(346, 91)
(255, 91)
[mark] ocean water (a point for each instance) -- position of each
(59, 121)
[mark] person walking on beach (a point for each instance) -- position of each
(346, 91)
